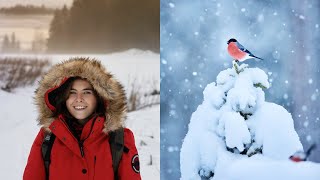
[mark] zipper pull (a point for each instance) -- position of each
(81, 148)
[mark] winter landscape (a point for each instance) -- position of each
(236, 134)
(194, 51)
(18, 112)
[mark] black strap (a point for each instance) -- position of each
(116, 141)
(46, 151)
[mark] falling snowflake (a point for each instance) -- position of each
(306, 124)
(304, 108)
(164, 61)
(308, 138)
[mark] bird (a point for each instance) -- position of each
(302, 156)
(239, 52)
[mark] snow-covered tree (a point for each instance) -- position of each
(234, 122)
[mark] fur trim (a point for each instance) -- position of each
(101, 80)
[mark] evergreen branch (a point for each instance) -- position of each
(260, 85)
(236, 66)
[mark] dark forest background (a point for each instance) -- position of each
(102, 26)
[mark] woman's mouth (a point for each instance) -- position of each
(79, 107)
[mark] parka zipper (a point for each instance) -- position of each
(81, 148)
(80, 142)
(94, 166)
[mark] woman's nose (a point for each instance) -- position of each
(79, 97)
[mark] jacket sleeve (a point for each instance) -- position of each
(129, 167)
(34, 169)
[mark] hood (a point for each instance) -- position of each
(102, 81)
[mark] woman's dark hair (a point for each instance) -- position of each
(59, 96)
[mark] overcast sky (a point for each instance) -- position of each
(47, 3)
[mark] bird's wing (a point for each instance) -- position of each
(242, 48)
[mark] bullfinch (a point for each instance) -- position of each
(238, 52)
(302, 156)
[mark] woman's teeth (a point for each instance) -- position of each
(79, 107)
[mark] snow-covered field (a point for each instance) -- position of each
(18, 115)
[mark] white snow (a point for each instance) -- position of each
(171, 5)
(263, 168)
(18, 115)
(234, 117)
(234, 123)
(145, 125)
(273, 127)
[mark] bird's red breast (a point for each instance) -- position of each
(235, 52)
(296, 159)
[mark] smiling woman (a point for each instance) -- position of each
(82, 101)
(82, 109)
(77, 99)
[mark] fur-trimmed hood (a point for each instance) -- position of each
(102, 81)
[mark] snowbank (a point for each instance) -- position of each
(234, 126)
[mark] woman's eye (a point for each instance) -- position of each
(87, 92)
(72, 92)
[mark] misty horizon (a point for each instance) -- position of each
(47, 3)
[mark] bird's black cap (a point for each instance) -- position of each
(232, 40)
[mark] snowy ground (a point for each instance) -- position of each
(263, 168)
(18, 116)
(147, 137)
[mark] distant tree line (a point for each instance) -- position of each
(10, 44)
(99, 26)
(27, 9)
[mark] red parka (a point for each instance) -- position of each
(67, 161)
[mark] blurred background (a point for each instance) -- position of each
(193, 42)
(36, 34)
(65, 26)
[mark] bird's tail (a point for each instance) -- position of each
(312, 147)
(256, 57)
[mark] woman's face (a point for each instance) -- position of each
(82, 101)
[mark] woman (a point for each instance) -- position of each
(81, 106)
